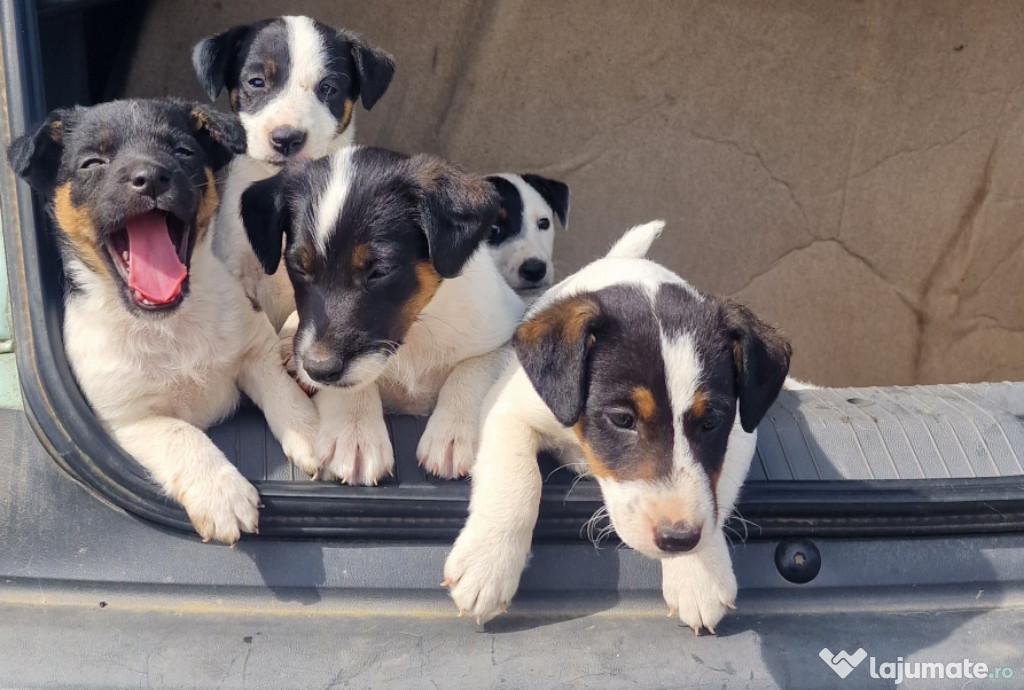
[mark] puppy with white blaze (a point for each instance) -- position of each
(399, 309)
(657, 390)
(159, 335)
(294, 83)
(522, 238)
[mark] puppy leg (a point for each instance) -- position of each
(700, 587)
(219, 501)
(289, 411)
(353, 444)
(448, 445)
(488, 558)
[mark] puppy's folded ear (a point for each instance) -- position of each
(374, 66)
(267, 219)
(35, 156)
(456, 210)
(212, 56)
(761, 354)
(221, 135)
(552, 347)
(555, 193)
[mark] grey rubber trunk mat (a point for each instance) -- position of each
(916, 432)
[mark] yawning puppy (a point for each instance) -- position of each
(522, 237)
(293, 82)
(656, 389)
(397, 307)
(158, 334)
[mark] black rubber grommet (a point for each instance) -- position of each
(798, 560)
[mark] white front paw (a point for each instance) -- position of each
(483, 570)
(700, 587)
(222, 506)
(448, 445)
(355, 449)
(298, 439)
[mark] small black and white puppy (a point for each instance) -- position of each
(294, 83)
(522, 238)
(654, 388)
(398, 309)
(159, 335)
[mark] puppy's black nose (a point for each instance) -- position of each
(326, 369)
(533, 270)
(675, 537)
(149, 179)
(287, 140)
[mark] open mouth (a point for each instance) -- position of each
(150, 254)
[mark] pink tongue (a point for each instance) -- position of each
(154, 270)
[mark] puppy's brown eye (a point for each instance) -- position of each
(256, 83)
(326, 90)
(544, 223)
(495, 232)
(91, 163)
(182, 152)
(711, 422)
(379, 272)
(622, 419)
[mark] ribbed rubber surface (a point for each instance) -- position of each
(917, 432)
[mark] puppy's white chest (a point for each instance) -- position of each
(183, 366)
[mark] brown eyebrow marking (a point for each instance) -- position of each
(643, 399)
(270, 69)
(699, 404)
(360, 256)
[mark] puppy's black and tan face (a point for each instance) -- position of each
(294, 83)
(651, 379)
(130, 186)
(371, 234)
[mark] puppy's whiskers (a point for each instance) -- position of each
(594, 534)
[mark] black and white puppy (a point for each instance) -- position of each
(397, 308)
(657, 390)
(293, 82)
(159, 335)
(522, 238)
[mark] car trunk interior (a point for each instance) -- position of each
(756, 150)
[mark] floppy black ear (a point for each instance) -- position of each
(552, 347)
(374, 66)
(220, 134)
(555, 193)
(212, 58)
(267, 219)
(761, 354)
(456, 210)
(35, 156)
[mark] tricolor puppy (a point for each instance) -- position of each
(654, 388)
(158, 333)
(294, 83)
(397, 308)
(522, 237)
